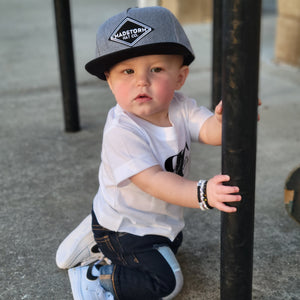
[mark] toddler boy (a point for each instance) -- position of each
(137, 216)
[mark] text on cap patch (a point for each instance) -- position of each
(129, 32)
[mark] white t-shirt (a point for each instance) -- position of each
(131, 145)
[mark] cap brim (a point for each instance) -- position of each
(100, 65)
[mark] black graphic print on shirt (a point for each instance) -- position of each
(178, 162)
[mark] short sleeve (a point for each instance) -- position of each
(126, 152)
(186, 111)
(197, 115)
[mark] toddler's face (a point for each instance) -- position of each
(145, 85)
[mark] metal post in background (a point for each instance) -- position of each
(66, 61)
(240, 69)
(217, 53)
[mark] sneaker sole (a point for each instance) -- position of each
(75, 280)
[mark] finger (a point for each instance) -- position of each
(221, 178)
(227, 189)
(219, 108)
(225, 208)
(229, 198)
(259, 101)
(220, 105)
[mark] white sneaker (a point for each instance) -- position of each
(85, 286)
(79, 247)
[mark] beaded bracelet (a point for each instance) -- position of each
(202, 196)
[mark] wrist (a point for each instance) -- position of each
(202, 195)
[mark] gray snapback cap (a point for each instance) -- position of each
(138, 32)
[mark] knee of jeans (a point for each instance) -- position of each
(175, 286)
(167, 284)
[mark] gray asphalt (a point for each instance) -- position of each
(49, 177)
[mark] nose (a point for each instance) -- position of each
(143, 79)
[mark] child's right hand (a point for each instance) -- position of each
(218, 194)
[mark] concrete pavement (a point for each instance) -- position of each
(49, 178)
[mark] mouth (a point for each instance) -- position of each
(142, 98)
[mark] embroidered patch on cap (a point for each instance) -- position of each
(129, 32)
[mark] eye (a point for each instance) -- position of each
(156, 70)
(128, 71)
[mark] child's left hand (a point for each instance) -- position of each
(219, 111)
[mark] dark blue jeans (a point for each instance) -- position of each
(139, 271)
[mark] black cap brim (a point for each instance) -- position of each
(102, 64)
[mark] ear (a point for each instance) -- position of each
(182, 75)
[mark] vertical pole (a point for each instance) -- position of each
(217, 53)
(240, 68)
(66, 61)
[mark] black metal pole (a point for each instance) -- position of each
(66, 61)
(240, 68)
(217, 54)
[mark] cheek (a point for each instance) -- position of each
(120, 91)
(165, 90)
